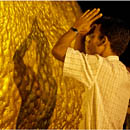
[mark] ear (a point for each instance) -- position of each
(102, 46)
(103, 41)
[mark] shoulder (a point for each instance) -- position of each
(71, 51)
(128, 73)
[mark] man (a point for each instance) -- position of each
(128, 111)
(126, 60)
(105, 77)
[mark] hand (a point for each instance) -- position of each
(83, 24)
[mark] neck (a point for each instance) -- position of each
(108, 51)
(108, 54)
(128, 68)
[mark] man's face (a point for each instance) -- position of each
(92, 40)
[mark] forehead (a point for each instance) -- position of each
(95, 30)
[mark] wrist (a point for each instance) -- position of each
(74, 29)
(77, 30)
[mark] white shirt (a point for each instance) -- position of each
(107, 84)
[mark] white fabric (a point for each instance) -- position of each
(107, 84)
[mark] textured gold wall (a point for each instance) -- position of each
(30, 77)
(32, 91)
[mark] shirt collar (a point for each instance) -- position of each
(113, 57)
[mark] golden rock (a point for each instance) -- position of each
(33, 94)
(30, 77)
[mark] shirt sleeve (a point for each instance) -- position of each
(80, 66)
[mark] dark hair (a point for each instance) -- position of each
(125, 58)
(117, 32)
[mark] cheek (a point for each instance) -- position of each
(90, 48)
(90, 45)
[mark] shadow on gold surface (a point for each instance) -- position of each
(38, 90)
(29, 72)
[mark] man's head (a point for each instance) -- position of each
(108, 36)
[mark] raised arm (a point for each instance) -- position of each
(80, 42)
(59, 50)
(83, 26)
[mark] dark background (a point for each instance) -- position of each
(118, 9)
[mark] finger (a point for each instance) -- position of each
(96, 17)
(85, 13)
(94, 14)
(91, 12)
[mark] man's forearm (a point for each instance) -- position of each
(59, 50)
(80, 43)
